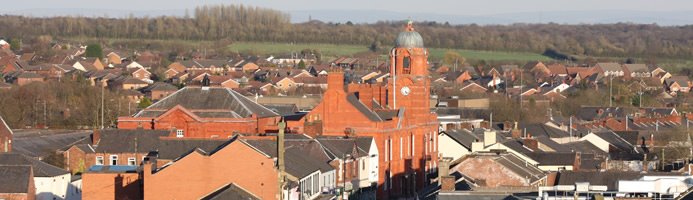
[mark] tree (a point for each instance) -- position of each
(15, 44)
(452, 57)
(301, 65)
(145, 102)
(94, 51)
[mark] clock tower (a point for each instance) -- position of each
(409, 69)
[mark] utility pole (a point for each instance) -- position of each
(102, 105)
(640, 98)
(611, 89)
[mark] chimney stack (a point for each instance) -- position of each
(95, 137)
(447, 183)
(280, 158)
(335, 80)
(444, 167)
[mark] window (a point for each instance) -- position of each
(114, 160)
(413, 145)
(99, 160)
(406, 64)
(131, 161)
(179, 133)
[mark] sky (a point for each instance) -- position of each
(476, 7)
(663, 12)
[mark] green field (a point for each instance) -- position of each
(330, 50)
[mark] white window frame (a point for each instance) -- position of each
(99, 158)
(180, 133)
(113, 158)
(413, 145)
(132, 161)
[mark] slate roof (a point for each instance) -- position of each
(353, 100)
(681, 80)
(339, 147)
(230, 191)
(39, 168)
(462, 136)
(212, 98)
(638, 68)
(160, 86)
(591, 113)
(610, 66)
(283, 109)
(145, 141)
(537, 130)
(302, 157)
(15, 179)
(39, 144)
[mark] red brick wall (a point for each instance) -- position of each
(5, 138)
(111, 186)
(196, 175)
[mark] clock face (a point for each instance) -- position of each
(405, 90)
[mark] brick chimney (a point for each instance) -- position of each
(577, 162)
(516, 134)
(447, 184)
(335, 80)
(531, 143)
(96, 137)
(444, 167)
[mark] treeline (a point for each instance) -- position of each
(62, 104)
(245, 23)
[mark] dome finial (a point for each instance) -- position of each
(410, 25)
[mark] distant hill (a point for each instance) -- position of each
(371, 16)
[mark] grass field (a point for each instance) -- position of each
(347, 50)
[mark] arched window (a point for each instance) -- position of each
(406, 65)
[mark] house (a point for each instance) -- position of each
(349, 153)
(285, 84)
(619, 146)
(6, 136)
(89, 64)
(28, 77)
(215, 66)
(472, 87)
(111, 182)
(170, 73)
(636, 71)
(498, 170)
(4, 45)
(133, 65)
(678, 84)
(140, 73)
(557, 69)
(456, 143)
(204, 112)
(127, 83)
(14, 65)
(307, 162)
(609, 69)
(236, 161)
(114, 58)
(17, 182)
(148, 58)
(50, 182)
(347, 63)
(49, 71)
(246, 66)
(537, 68)
(158, 90)
(129, 147)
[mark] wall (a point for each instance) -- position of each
(49, 188)
(196, 175)
(450, 148)
(111, 186)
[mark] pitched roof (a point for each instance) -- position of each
(160, 86)
(338, 147)
(610, 66)
(302, 157)
(462, 136)
(230, 191)
(591, 113)
(640, 68)
(15, 179)
(200, 100)
(283, 109)
(145, 141)
(43, 143)
(39, 168)
(511, 162)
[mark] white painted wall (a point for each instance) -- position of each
(448, 147)
(49, 188)
(596, 141)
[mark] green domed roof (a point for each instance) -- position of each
(409, 39)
